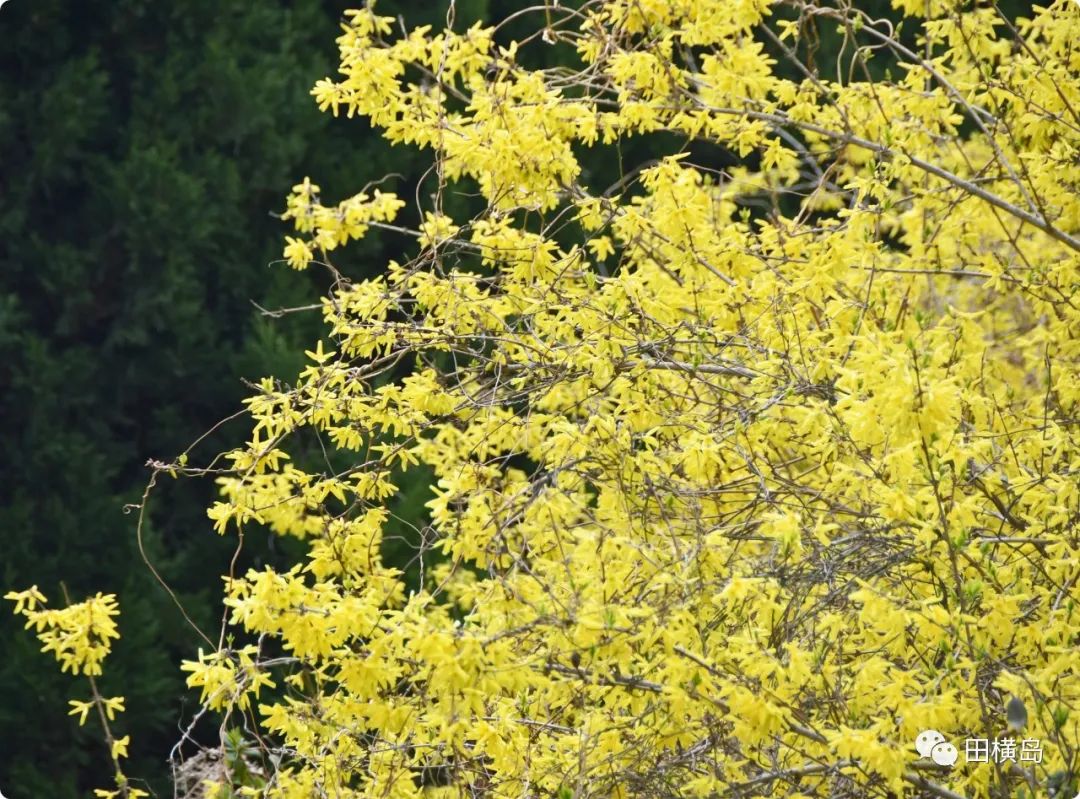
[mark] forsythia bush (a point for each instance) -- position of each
(743, 476)
(80, 636)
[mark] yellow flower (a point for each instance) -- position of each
(297, 253)
(28, 599)
(113, 705)
(119, 747)
(81, 709)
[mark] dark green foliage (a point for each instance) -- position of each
(144, 146)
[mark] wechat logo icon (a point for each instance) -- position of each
(932, 744)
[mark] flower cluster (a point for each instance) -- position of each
(80, 636)
(740, 476)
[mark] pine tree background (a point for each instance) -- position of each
(143, 148)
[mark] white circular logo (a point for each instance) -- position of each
(944, 754)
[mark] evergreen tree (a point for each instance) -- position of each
(144, 146)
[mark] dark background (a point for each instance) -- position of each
(143, 148)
